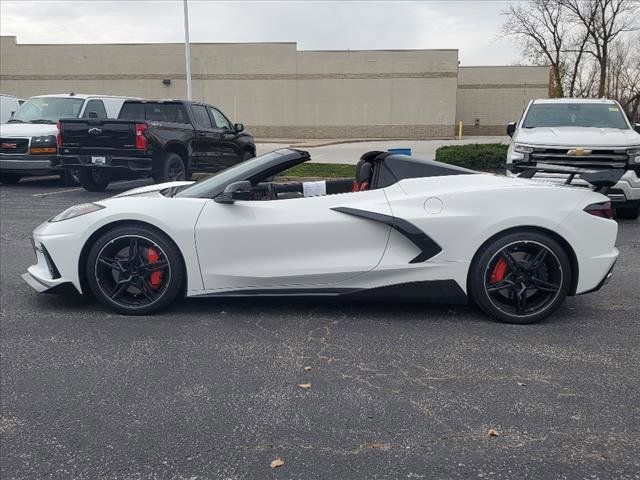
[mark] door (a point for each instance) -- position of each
(207, 156)
(231, 152)
(298, 242)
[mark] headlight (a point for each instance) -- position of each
(76, 211)
(519, 148)
(43, 144)
(634, 155)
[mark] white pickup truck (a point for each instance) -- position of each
(28, 141)
(583, 133)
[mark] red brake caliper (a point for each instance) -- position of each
(499, 271)
(155, 279)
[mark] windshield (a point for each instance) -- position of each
(47, 110)
(239, 172)
(596, 115)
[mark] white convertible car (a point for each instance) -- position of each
(403, 229)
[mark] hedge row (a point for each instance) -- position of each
(486, 157)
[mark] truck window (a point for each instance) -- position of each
(154, 112)
(201, 117)
(597, 115)
(49, 109)
(95, 106)
(219, 119)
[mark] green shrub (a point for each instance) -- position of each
(486, 157)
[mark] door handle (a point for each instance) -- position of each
(201, 134)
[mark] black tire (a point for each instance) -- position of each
(172, 169)
(70, 177)
(10, 178)
(122, 281)
(524, 289)
(629, 211)
(94, 180)
(247, 155)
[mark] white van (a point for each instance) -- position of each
(8, 106)
(28, 141)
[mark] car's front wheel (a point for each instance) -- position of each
(629, 210)
(520, 277)
(134, 270)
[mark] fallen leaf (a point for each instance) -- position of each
(277, 463)
(306, 369)
(304, 385)
(492, 433)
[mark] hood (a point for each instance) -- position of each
(27, 129)
(577, 137)
(151, 188)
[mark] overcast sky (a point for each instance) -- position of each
(470, 26)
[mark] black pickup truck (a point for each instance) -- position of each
(167, 140)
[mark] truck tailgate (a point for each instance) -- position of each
(106, 134)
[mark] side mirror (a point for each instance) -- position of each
(636, 127)
(235, 191)
(511, 128)
(239, 127)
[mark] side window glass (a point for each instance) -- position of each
(200, 116)
(219, 119)
(94, 109)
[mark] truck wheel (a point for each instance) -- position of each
(247, 155)
(70, 177)
(10, 178)
(629, 210)
(93, 180)
(172, 169)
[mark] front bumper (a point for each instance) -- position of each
(29, 164)
(44, 276)
(134, 164)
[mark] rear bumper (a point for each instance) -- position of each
(112, 162)
(29, 164)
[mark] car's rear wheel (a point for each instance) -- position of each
(520, 277)
(172, 169)
(70, 177)
(10, 178)
(94, 180)
(134, 270)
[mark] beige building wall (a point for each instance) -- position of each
(491, 97)
(276, 90)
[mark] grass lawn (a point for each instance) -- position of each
(321, 170)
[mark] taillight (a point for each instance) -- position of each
(141, 140)
(59, 136)
(603, 209)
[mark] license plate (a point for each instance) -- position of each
(98, 160)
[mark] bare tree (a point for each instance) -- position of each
(604, 21)
(541, 27)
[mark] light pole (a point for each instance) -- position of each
(187, 48)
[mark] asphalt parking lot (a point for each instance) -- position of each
(209, 389)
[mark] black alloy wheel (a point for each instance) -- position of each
(522, 280)
(172, 169)
(94, 179)
(134, 270)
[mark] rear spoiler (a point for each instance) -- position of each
(602, 180)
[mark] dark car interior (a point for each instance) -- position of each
(364, 180)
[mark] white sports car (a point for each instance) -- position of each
(403, 229)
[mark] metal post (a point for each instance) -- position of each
(187, 48)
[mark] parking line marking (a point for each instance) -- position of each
(80, 188)
(56, 192)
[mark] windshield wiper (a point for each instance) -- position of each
(42, 120)
(15, 120)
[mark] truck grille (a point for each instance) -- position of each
(14, 145)
(604, 158)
